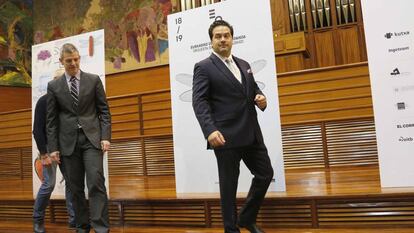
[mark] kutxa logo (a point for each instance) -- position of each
(389, 35)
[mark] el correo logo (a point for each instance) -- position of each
(401, 126)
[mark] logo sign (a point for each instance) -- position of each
(405, 139)
(405, 125)
(400, 49)
(212, 13)
(402, 89)
(389, 35)
(401, 106)
(395, 72)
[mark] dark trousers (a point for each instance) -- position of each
(257, 161)
(86, 159)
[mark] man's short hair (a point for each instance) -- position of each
(68, 48)
(217, 23)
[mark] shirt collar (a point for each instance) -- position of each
(77, 76)
(223, 59)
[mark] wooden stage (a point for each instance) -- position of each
(340, 197)
(19, 227)
(300, 183)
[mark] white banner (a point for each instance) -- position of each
(389, 28)
(195, 166)
(45, 66)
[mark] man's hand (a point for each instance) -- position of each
(216, 139)
(55, 156)
(260, 101)
(45, 159)
(105, 144)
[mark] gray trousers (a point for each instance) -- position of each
(87, 160)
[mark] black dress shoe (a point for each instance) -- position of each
(253, 228)
(39, 227)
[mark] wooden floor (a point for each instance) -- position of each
(319, 201)
(348, 181)
(19, 227)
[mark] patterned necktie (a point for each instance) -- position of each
(74, 92)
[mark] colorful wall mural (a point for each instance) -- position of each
(16, 39)
(135, 30)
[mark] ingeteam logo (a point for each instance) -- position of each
(390, 35)
(400, 49)
(405, 139)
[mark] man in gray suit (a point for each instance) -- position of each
(79, 131)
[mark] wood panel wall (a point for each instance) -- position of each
(325, 94)
(138, 81)
(14, 98)
(330, 144)
(326, 116)
(362, 211)
(16, 129)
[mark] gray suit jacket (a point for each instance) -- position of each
(92, 114)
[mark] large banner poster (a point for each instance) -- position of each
(45, 66)
(195, 166)
(389, 28)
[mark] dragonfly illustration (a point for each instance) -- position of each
(187, 79)
(90, 43)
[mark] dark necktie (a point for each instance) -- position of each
(74, 92)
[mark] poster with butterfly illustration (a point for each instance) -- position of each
(195, 167)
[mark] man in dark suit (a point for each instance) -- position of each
(79, 130)
(224, 98)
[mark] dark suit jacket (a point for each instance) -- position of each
(39, 125)
(221, 102)
(92, 114)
